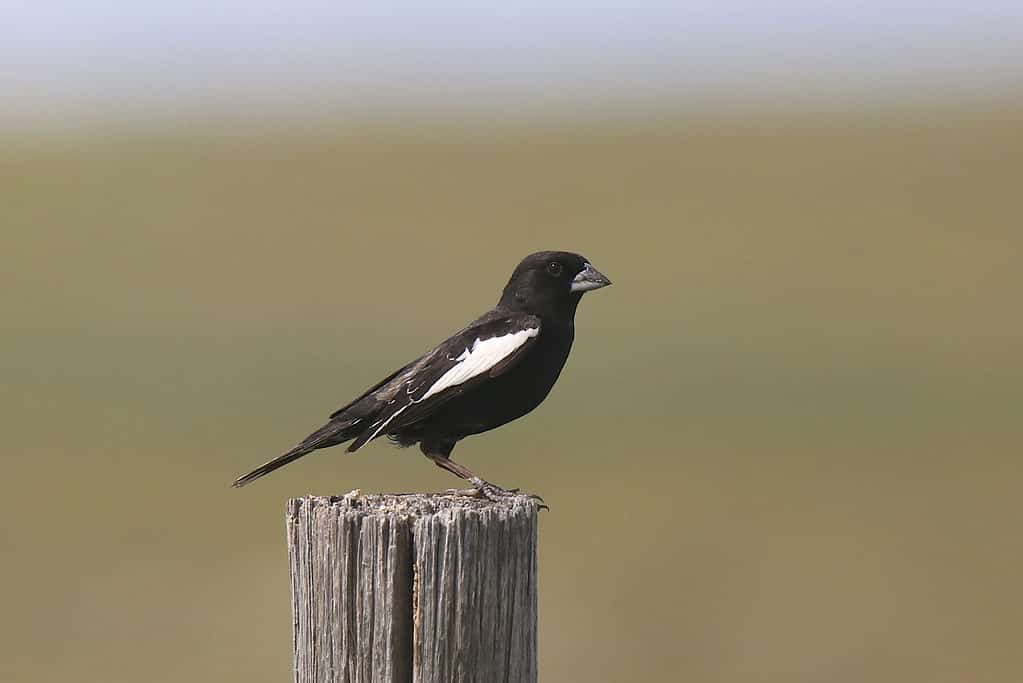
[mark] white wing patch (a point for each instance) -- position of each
(475, 360)
(481, 357)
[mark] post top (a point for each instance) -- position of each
(417, 504)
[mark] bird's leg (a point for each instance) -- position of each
(461, 471)
(481, 487)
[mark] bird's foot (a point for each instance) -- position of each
(484, 489)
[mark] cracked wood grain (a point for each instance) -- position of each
(420, 587)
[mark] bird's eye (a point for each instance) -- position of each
(554, 268)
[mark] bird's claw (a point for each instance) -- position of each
(531, 496)
(484, 489)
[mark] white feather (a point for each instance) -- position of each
(481, 357)
(388, 421)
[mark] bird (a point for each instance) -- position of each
(496, 369)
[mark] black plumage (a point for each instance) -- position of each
(496, 369)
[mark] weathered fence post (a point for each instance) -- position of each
(422, 587)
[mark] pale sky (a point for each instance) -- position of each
(165, 54)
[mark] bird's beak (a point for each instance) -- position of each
(589, 278)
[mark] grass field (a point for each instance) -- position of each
(786, 447)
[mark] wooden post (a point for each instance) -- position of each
(429, 588)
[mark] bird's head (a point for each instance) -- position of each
(551, 281)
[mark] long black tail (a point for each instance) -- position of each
(330, 434)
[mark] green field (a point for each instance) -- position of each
(786, 447)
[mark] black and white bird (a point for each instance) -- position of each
(497, 369)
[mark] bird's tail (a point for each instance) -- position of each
(330, 434)
(280, 461)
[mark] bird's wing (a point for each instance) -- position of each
(485, 349)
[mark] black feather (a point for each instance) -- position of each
(330, 434)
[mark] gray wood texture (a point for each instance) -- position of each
(420, 587)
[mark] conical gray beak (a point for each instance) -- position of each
(589, 278)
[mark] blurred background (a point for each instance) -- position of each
(787, 444)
